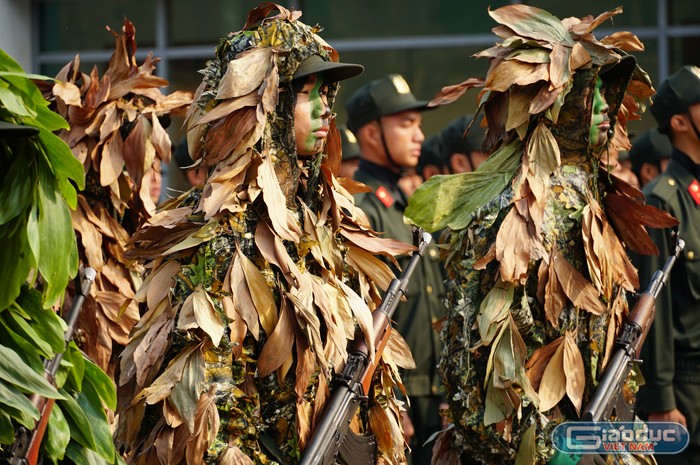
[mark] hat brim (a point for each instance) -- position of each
(15, 130)
(332, 71)
(418, 105)
(620, 69)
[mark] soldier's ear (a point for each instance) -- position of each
(679, 123)
(371, 134)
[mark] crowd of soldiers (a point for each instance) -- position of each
(257, 280)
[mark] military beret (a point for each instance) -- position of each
(649, 147)
(678, 92)
(382, 97)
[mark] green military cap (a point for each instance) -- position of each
(15, 130)
(678, 92)
(351, 149)
(382, 97)
(649, 147)
(332, 71)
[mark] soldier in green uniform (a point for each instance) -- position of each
(671, 353)
(386, 119)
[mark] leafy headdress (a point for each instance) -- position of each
(537, 264)
(257, 281)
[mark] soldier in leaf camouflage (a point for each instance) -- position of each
(537, 266)
(259, 279)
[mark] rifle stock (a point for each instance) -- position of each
(332, 437)
(28, 443)
(627, 347)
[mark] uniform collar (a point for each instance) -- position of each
(685, 161)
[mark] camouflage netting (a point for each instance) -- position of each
(257, 281)
(538, 272)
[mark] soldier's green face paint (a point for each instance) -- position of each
(600, 122)
(312, 116)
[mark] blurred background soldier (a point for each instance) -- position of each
(351, 153)
(671, 353)
(453, 150)
(386, 119)
(650, 154)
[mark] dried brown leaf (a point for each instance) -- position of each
(513, 247)
(539, 360)
(232, 455)
(629, 218)
(577, 288)
(574, 369)
(553, 384)
(245, 73)
(260, 293)
(449, 94)
(277, 348)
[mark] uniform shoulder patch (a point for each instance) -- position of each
(694, 190)
(384, 196)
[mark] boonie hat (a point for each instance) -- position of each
(649, 147)
(332, 71)
(679, 91)
(382, 97)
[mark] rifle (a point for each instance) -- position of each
(27, 443)
(333, 437)
(627, 346)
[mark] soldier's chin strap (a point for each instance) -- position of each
(393, 163)
(692, 123)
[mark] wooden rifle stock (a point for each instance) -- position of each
(26, 451)
(332, 437)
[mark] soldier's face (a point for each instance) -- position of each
(404, 137)
(600, 122)
(312, 116)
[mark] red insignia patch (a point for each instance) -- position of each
(694, 190)
(384, 196)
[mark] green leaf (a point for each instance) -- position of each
(89, 401)
(13, 398)
(13, 102)
(57, 435)
(16, 260)
(15, 371)
(57, 259)
(44, 321)
(16, 189)
(103, 384)
(22, 347)
(20, 417)
(81, 456)
(451, 200)
(20, 326)
(8, 64)
(7, 431)
(50, 119)
(73, 372)
(80, 427)
(62, 161)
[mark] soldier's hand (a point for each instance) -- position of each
(674, 415)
